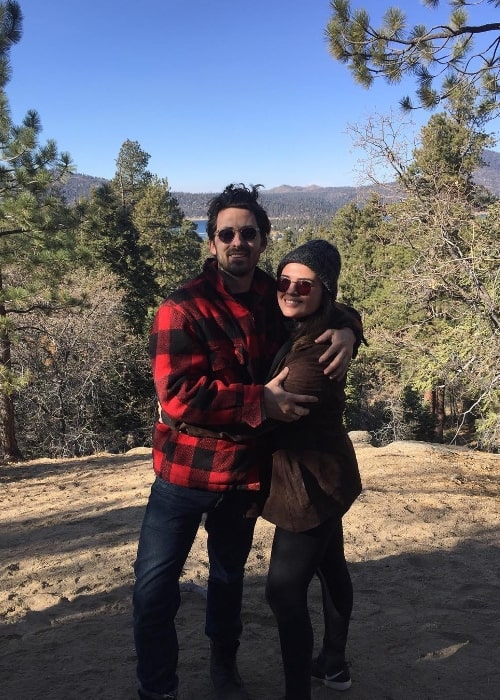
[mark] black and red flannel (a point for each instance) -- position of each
(210, 356)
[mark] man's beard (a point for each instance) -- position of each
(237, 268)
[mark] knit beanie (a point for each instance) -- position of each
(322, 257)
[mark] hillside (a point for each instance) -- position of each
(285, 202)
(489, 175)
(80, 185)
(301, 204)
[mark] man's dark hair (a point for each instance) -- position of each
(240, 197)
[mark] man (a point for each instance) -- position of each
(212, 343)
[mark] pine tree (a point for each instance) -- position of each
(108, 228)
(172, 246)
(34, 228)
(139, 233)
(436, 315)
(448, 51)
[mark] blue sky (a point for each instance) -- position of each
(216, 91)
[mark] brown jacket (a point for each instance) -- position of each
(314, 472)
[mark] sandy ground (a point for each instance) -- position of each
(423, 542)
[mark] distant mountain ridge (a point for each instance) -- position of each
(489, 175)
(311, 202)
(79, 186)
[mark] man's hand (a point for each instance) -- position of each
(342, 343)
(282, 405)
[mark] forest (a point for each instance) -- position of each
(291, 206)
(81, 278)
(287, 206)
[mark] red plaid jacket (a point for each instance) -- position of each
(210, 356)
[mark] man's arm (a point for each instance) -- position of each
(196, 384)
(340, 351)
(344, 342)
(190, 393)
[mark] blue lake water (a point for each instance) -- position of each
(201, 227)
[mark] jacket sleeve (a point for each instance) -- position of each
(348, 317)
(188, 389)
(305, 374)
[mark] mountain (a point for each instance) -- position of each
(302, 204)
(78, 186)
(284, 202)
(489, 175)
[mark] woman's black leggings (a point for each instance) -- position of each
(295, 558)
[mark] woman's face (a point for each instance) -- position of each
(299, 300)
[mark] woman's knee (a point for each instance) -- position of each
(277, 590)
(284, 594)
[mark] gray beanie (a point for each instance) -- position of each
(322, 257)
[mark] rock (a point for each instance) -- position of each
(360, 437)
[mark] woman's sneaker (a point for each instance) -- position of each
(336, 678)
(157, 696)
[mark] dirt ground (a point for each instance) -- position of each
(423, 542)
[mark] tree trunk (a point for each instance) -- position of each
(8, 441)
(430, 398)
(439, 393)
(435, 398)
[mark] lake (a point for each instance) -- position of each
(201, 227)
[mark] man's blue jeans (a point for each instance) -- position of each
(172, 518)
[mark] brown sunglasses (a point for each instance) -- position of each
(302, 287)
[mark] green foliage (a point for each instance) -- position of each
(131, 172)
(277, 246)
(107, 226)
(36, 247)
(79, 285)
(417, 415)
(429, 288)
(170, 242)
(372, 263)
(447, 52)
(362, 412)
(138, 231)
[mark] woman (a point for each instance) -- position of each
(314, 480)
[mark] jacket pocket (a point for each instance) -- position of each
(224, 357)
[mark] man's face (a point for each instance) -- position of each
(238, 258)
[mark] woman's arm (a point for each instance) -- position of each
(305, 372)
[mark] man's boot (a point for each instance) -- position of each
(224, 673)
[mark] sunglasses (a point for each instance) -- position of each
(302, 287)
(247, 233)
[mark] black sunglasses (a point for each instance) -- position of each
(302, 287)
(247, 233)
